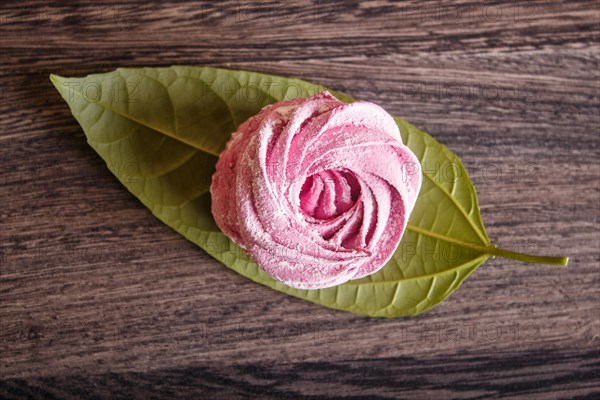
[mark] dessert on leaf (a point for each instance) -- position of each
(308, 195)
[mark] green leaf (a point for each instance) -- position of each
(160, 131)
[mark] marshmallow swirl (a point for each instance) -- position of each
(317, 191)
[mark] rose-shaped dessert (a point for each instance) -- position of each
(317, 191)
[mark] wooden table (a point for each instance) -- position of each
(98, 299)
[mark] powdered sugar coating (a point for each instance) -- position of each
(317, 191)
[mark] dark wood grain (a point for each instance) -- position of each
(100, 300)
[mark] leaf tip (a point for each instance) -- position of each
(56, 80)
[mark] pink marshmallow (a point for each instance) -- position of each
(317, 191)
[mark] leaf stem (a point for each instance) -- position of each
(513, 255)
(491, 249)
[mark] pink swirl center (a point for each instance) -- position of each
(328, 194)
